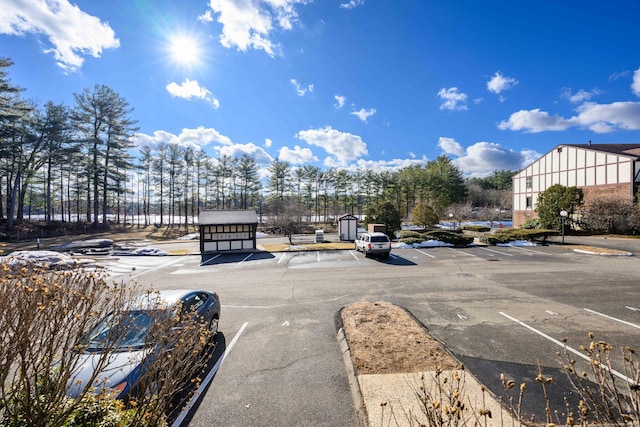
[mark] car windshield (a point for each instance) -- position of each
(379, 239)
(124, 331)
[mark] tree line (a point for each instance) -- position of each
(77, 163)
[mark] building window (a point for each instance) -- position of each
(529, 202)
(529, 182)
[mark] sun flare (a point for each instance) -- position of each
(184, 50)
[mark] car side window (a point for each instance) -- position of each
(194, 302)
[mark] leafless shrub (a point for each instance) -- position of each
(444, 400)
(43, 318)
(606, 213)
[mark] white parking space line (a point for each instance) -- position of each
(209, 260)
(606, 316)
(632, 308)
(160, 266)
(281, 257)
(424, 253)
(530, 250)
(498, 252)
(318, 258)
(245, 258)
(354, 255)
(458, 251)
(207, 380)
(564, 345)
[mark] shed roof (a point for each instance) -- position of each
(228, 217)
(348, 216)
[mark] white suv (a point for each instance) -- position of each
(373, 244)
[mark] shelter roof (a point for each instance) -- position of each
(232, 216)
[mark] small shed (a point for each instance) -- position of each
(227, 230)
(348, 228)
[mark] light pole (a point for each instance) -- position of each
(563, 214)
(453, 226)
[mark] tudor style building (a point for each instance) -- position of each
(227, 230)
(598, 169)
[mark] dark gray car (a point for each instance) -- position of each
(128, 356)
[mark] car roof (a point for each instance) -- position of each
(166, 298)
(376, 233)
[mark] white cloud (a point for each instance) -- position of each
(534, 121)
(248, 24)
(363, 114)
(483, 158)
(342, 147)
(71, 33)
(599, 118)
(297, 156)
(499, 83)
(191, 89)
(268, 142)
(393, 165)
(635, 84)
(453, 100)
(206, 17)
(301, 90)
(340, 100)
(616, 76)
(580, 96)
(194, 138)
(450, 146)
(351, 4)
(237, 150)
(605, 118)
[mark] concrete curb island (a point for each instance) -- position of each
(398, 399)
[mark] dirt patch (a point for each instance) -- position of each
(384, 339)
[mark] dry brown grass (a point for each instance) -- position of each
(384, 339)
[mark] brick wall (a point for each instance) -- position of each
(616, 190)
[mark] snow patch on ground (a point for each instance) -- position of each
(150, 251)
(518, 243)
(51, 259)
(425, 244)
(192, 236)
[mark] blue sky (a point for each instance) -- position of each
(369, 84)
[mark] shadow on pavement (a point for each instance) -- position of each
(561, 394)
(181, 401)
(233, 257)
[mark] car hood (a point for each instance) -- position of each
(116, 368)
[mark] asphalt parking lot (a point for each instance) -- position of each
(498, 309)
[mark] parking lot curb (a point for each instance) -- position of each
(352, 377)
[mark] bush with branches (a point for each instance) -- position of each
(424, 215)
(455, 239)
(606, 213)
(476, 228)
(44, 316)
(554, 200)
(513, 234)
(531, 224)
